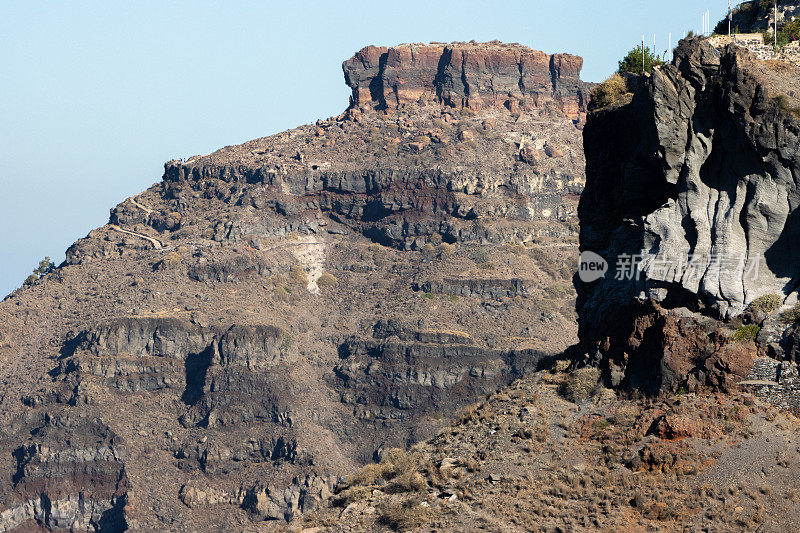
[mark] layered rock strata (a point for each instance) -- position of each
(466, 75)
(271, 315)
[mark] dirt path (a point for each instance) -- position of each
(140, 206)
(155, 242)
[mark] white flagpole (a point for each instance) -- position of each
(670, 46)
(642, 53)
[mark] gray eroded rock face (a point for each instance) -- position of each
(697, 179)
(223, 374)
(701, 165)
(401, 370)
(70, 475)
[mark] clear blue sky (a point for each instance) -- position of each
(96, 96)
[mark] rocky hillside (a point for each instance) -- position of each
(271, 316)
(666, 419)
(527, 459)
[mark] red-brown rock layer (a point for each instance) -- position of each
(466, 75)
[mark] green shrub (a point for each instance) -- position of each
(45, 267)
(787, 33)
(746, 333)
(632, 62)
(479, 256)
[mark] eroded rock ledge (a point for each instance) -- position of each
(466, 75)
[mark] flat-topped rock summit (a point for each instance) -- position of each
(470, 142)
(466, 75)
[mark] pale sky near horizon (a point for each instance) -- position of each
(96, 96)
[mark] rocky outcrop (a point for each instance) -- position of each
(70, 475)
(694, 181)
(482, 288)
(223, 374)
(393, 205)
(400, 371)
(758, 17)
(469, 75)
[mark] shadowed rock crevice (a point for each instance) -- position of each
(196, 369)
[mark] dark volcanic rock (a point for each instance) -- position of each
(698, 175)
(400, 371)
(70, 475)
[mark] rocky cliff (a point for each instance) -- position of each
(271, 315)
(758, 16)
(467, 75)
(691, 197)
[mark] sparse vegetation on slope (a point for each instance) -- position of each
(611, 91)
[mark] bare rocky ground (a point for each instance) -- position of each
(527, 459)
(93, 341)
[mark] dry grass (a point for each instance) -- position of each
(609, 92)
(405, 515)
(327, 281)
(297, 277)
(171, 260)
(398, 472)
(581, 384)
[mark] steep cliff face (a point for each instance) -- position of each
(695, 180)
(275, 313)
(466, 75)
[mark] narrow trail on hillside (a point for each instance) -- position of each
(155, 242)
